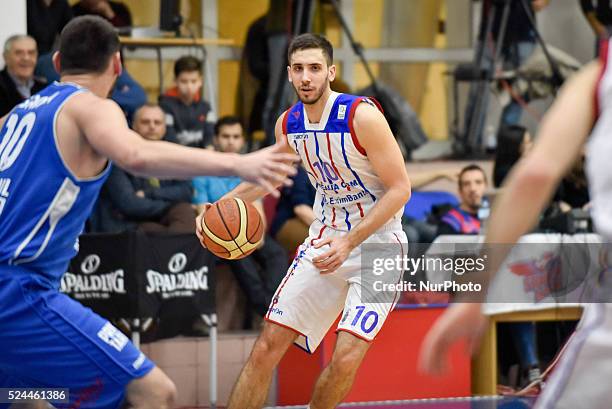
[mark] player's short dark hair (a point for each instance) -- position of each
(308, 41)
(87, 44)
(225, 121)
(470, 168)
(187, 63)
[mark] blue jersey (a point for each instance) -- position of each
(43, 205)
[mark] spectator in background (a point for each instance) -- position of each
(518, 43)
(115, 12)
(128, 202)
(46, 19)
(294, 213)
(599, 17)
(17, 81)
(260, 273)
(464, 219)
(513, 141)
(187, 114)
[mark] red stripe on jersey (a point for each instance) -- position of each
(331, 159)
(308, 159)
(334, 217)
(319, 236)
(603, 55)
(360, 209)
(285, 120)
(351, 129)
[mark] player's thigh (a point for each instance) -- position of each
(307, 301)
(372, 293)
(50, 340)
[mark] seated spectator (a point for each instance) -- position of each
(464, 219)
(46, 19)
(128, 202)
(513, 141)
(573, 191)
(260, 273)
(187, 114)
(115, 12)
(17, 81)
(424, 231)
(294, 213)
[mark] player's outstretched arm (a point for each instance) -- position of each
(374, 135)
(250, 192)
(528, 189)
(106, 130)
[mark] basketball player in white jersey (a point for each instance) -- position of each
(356, 166)
(583, 108)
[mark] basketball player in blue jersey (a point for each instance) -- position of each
(55, 152)
(353, 161)
(583, 108)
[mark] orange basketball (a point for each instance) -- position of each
(232, 228)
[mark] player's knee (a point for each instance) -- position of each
(264, 351)
(345, 363)
(268, 349)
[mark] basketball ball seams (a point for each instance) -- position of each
(256, 233)
(239, 216)
(226, 226)
(212, 236)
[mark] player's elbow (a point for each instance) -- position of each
(404, 191)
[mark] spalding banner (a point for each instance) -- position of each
(136, 275)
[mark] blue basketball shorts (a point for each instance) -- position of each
(48, 340)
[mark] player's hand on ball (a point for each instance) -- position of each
(339, 250)
(459, 322)
(202, 208)
(269, 168)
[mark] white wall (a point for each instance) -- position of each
(12, 19)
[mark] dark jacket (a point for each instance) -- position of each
(9, 96)
(191, 125)
(119, 209)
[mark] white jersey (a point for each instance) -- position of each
(599, 151)
(337, 165)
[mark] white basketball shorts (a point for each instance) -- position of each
(308, 301)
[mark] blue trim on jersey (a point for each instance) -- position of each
(346, 218)
(323, 208)
(352, 171)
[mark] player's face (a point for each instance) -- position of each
(189, 84)
(310, 74)
(150, 123)
(471, 188)
(21, 58)
(229, 139)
